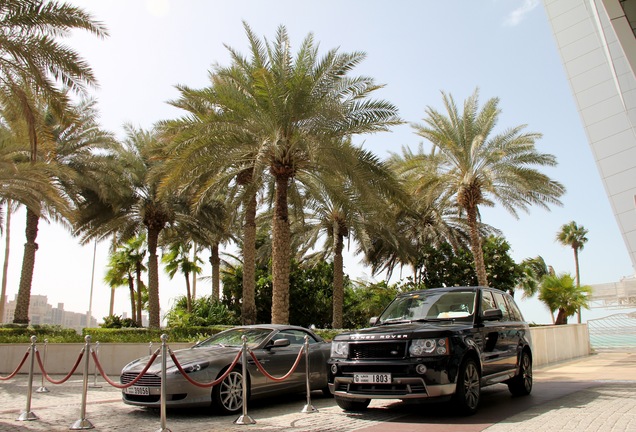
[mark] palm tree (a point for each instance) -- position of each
(30, 51)
(33, 62)
(68, 152)
(21, 183)
(431, 219)
(480, 169)
(201, 168)
(297, 109)
(129, 257)
(119, 272)
(132, 204)
(534, 269)
(348, 204)
(178, 259)
(574, 236)
(560, 294)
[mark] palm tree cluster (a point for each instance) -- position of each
(559, 292)
(264, 151)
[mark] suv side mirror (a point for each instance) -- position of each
(492, 315)
(373, 320)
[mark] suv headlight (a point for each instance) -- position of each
(426, 347)
(339, 349)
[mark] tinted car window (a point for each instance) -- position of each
(501, 304)
(295, 337)
(515, 313)
(487, 301)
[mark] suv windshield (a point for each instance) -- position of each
(432, 305)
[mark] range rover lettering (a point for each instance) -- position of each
(436, 344)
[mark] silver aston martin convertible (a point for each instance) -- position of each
(275, 346)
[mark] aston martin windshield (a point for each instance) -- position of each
(430, 306)
(233, 337)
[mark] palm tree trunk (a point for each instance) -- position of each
(578, 281)
(215, 261)
(111, 309)
(194, 274)
(154, 320)
(5, 265)
(475, 246)
(28, 263)
(248, 308)
(338, 284)
(561, 318)
(137, 317)
(281, 265)
(188, 293)
(131, 288)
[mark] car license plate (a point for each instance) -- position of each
(378, 378)
(136, 390)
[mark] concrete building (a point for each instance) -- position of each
(41, 312)
(597, 44)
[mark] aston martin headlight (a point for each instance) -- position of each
(426, 347)
(339, 349)
(193, 367)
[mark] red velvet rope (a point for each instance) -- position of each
(63, 380)
(15, 372)
(133, 382)
(210, 384)
(284, 377)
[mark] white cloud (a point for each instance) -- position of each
(517, 15)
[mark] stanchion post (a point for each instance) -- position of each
(308, 408)
(42, 388)
(164, 356)
(95, 385)
(150, 348)
(27, 415)
(244, 419)
(83, 422)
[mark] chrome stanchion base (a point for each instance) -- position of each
(244, 420)
(309, 408)
(27, 416)
(163, 430)
(42, 390)
(82, 424)
(94, 386)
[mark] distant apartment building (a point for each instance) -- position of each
(597, 44)
(41, 312)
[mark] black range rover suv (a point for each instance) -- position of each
(435, 344)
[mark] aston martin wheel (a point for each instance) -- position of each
(468, 391)
(227, 397)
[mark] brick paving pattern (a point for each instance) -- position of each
(604, 401)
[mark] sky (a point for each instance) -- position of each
(416, 49)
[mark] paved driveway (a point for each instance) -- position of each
(595, 394)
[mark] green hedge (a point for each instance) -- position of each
(22, 334)
(140, 335)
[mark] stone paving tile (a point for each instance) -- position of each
(608, 404)
(611, 407)
(61, 408)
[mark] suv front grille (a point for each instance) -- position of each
(377, 350)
